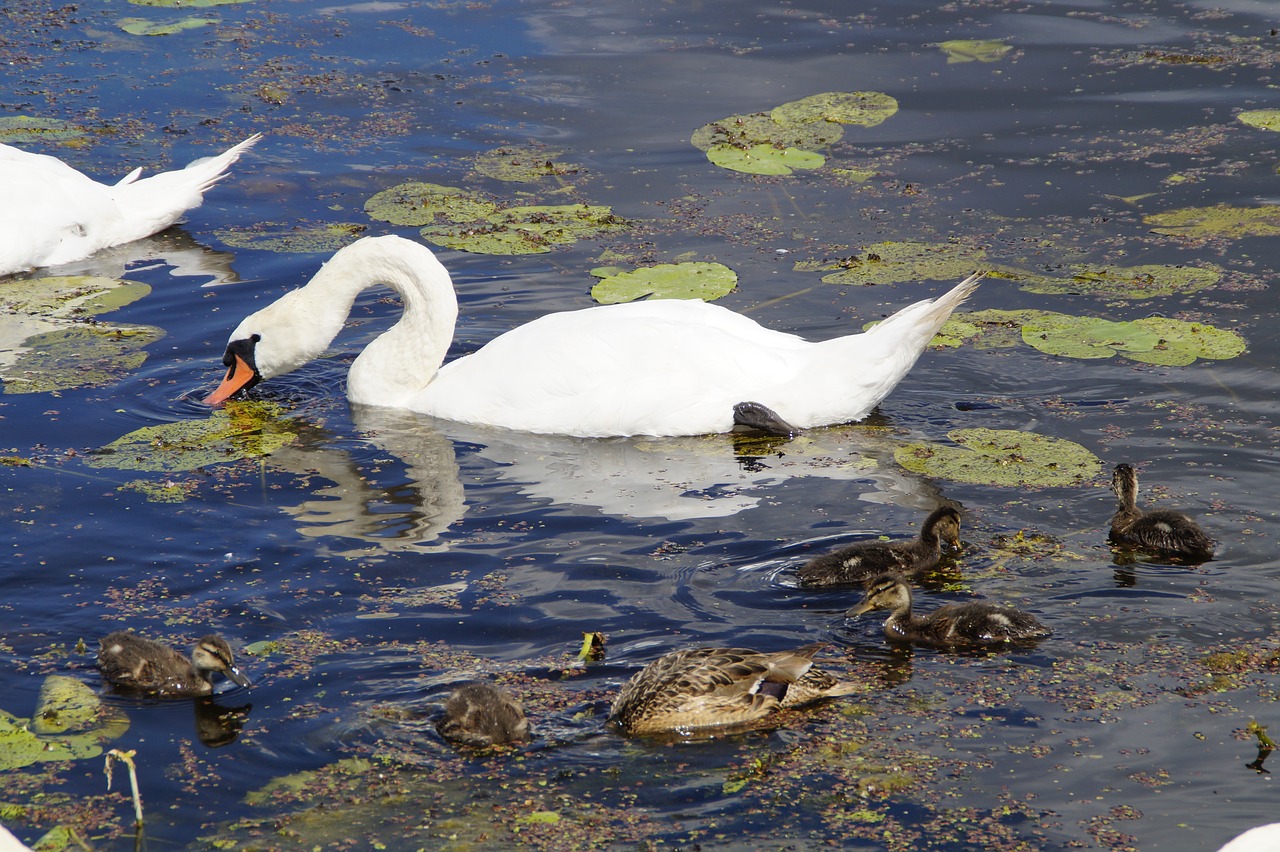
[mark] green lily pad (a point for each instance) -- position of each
(69, 296)
(1181, 343)
(862, 108)
(1263, 119)
(527, 230)
(522, 164)
(539, 818)
(1005, 457)
(308, 238)
(900, 262)
(1121, 282)
(974, 50)
(1150, 340)
(78, 356)
(20, 747)
(764, 159)
(1222, 221)
(161, 492)
(416, 203)
(745, 131)
(706, 281)
(69, 706)
(1086, 337)
(240, 430)
(145, 27)
(20, 129)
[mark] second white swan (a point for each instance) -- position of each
(656, 367)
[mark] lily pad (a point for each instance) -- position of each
(20, 747)
(745, 131)
(527, 230)
(1004, 457)
(862, 108)
(1122, 282)
(706, 281)
(974, 50)
(900, 262)
(764, 159)
(78, 356)
(417, 203)
(69, 706)
(522, 164)
(1263, 119)
(1222, 221)
(240, 430)
(1181, 343)
(1152, 340)
(145, 27)
(69, 296)
(19, 129)
(989, 329)
(308, 238)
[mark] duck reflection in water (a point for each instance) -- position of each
(218, 725)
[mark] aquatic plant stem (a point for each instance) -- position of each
(126, 757)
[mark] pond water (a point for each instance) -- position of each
(381, 557)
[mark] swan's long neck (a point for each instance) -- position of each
(402, 360)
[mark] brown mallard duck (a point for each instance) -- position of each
(129, 662)
(716, 687)
(1162, 531)
(478, 714)
(973, 623)
(859, 562)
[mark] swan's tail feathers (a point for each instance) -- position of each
(151, 204)
(923, 319)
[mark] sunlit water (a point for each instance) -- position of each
(392, 556)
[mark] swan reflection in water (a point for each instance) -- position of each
(674, 479)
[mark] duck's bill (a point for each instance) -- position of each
(857, 611)
(240, 375)
(238, 678)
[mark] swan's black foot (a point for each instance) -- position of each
(762, 418)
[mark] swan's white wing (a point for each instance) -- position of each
(660, 367)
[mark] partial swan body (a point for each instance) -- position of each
(53, 214)
(657, 367)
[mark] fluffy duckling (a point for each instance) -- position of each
(1162, 531)
(973, 623)
(129, 662)
(478, 714)
(863, 560)
(716, 687)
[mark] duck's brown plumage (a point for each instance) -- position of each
(859, 562)
(716, 687)
(478, 714)
(1160, 531)
(129, 662)
(974, 623)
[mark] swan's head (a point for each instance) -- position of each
(280, 338)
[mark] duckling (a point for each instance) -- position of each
(974, 623)
(1162, 531)
(129, 662)
(478, 714)
(863, 560)
(715, 687)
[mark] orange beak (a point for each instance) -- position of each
(239, 375)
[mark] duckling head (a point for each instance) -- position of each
(888, 591)
(1124, 482)
(945, 522)
(213, 654)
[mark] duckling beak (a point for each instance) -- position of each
(238, 678)
(859, 610)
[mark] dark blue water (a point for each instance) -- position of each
(389, 556)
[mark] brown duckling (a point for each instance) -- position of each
(859, 562)
(973, 623)
(1161, 531)
(715, 687)
(129, 662)
(478, 714)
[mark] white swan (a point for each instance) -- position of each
(657, 367)
(53, 214)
